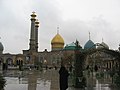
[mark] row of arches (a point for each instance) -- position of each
(103, 63)
(10, 62)
(110, 61)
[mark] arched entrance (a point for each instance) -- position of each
(19, 61)
(9, 62)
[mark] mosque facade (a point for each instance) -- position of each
(58, 54)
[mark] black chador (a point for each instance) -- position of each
(63, 73)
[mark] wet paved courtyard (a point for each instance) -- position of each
(28, 80)
(45, 80)
(14, 84)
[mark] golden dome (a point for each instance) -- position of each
(57, 39)
(57, 42)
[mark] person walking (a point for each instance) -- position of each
(63, 78)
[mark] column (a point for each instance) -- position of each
(36, 34)
(32, 36)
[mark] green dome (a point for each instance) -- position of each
(70, 46)
(89, 45)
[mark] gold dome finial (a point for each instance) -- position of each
(33, 15)
(57, 29)
(37, 23)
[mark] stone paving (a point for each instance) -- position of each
(32, 80)
(37, 80)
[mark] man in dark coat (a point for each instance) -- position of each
(63, 73)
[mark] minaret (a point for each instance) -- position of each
(36, 34)
(32, 36)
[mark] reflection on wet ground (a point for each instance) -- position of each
(27, 80)
(46, 80)
(16, 84)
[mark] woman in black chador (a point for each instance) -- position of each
(63, 73)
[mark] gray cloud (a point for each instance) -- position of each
(15, 25)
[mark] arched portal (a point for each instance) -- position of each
(19, 61)
(9, 61)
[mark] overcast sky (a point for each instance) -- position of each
(75, 18)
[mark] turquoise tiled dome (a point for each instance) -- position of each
(89, 45)
(70, 46)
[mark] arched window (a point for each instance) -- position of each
(9, 61)
(17, 62)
